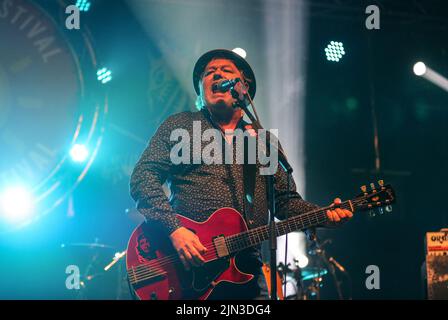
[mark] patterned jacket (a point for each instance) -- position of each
(197, 190)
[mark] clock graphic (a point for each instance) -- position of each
(50, 100)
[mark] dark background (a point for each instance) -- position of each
(412, 118)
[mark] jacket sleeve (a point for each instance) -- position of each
(289, 203)
(150, 173)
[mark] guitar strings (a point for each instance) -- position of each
(148, 270)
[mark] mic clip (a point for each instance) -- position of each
(238, 92)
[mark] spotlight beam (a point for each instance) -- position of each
(431, 75)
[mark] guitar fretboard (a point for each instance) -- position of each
(244, 240)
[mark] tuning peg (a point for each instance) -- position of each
(388, 208)
(372, 213)
(372, 186)
(381, 183)
(381, 211)
(364, 188)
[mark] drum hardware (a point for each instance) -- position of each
(115, 259)
(328, 263)
(98, 280)
(298, 277)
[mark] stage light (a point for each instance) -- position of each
(104, 75)
(419, 68)
(79, 153)
(83, 5)
(302, 261)
(16, 204)
(422, 70)
(334, 51)
(241, 52)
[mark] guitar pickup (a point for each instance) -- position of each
(221, 247)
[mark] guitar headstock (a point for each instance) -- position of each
(380, 197)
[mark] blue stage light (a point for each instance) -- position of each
(104, 75)
(83, 5)
(16, 204)
(79, 153)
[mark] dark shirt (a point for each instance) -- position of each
(197, 190)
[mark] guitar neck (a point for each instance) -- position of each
(304, 221)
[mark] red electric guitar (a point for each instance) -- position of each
(155, 271)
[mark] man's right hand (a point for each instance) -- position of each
(189, 248)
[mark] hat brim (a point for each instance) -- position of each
(239, 61)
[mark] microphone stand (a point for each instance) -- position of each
(270, 183)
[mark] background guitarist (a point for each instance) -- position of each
(197, 190)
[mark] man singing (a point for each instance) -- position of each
(199, 189)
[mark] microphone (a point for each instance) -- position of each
(225, 85)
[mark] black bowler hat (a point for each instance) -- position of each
(239, 62)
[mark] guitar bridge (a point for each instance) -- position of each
(221, 247)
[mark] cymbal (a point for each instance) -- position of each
(87, 245)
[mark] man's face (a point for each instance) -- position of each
(220, 103)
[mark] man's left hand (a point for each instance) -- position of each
(338, 215)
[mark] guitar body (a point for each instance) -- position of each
(156, 272)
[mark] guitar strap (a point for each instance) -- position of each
(249, 175)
